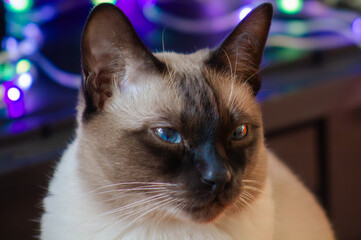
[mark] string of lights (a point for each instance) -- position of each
(302, 25)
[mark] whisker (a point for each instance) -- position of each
(233, 78)
(256, 72)
(139, 202)
(159, 205)
(247, 204)
(134, 183)
(229, 61)
(252, 188)
(126, 215)
(248, 196)
(149, 189)
(231, 93)
(174, 211)
(134, 204)
(127, 194)
(235, 67)
(237, 205)
(250, 180)
(165, 59)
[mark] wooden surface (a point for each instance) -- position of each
(317, 133)
(298, 149)
(20, 201)
(345, 173)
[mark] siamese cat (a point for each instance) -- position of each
(171, 146)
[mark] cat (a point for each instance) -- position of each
(171, 146)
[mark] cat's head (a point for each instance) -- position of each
(165, 133)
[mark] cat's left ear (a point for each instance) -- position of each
(241, 52)
(110, 49)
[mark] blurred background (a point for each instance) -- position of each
(310, 96)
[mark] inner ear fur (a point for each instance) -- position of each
(242, 50)
(109, 43)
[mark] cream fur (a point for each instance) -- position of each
(284, 210)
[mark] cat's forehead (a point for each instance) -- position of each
(184, 63)
(230, 90)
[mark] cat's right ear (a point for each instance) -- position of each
(109, 48)
(240, 54)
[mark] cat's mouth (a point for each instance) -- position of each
(207, 212)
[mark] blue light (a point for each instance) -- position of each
(28, 47)
(25, 80)
(356, 27)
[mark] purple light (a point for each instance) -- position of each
(28, 46)
(356, 27)
(13, 94)
(148, 3)
(32, 30)
(14, 100)
(11, 44)
(244, 12)
(47, 12)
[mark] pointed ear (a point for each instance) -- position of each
(241, 52)
(109, 46)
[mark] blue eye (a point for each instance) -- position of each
(239, 133)
(168, 134)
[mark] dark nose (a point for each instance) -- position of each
(216, 178)
(212, 168)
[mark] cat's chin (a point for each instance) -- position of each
(206, 213)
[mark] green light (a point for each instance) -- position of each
(20, 5)
(96, 2)
(296, 28)
(7, 72)
(23, 66)
(290, 6)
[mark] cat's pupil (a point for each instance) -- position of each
(240, 132)
(168, 134)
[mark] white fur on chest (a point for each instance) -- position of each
(71, 213)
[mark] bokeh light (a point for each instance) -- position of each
(11, 44)
(290, 6)
(25, 80)
(2, 92)
(7, 71)
(297, 28)
(356, 27)
(96, 2)
(244, 11)
(23, 66)
(20, 5)
(13, 94)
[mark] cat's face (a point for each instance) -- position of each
(171, 134)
